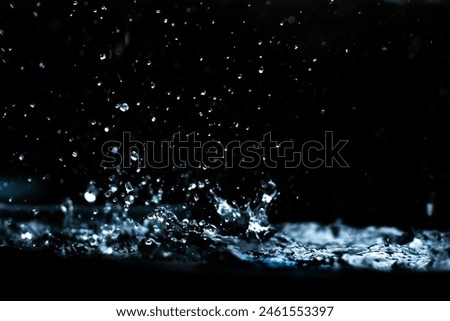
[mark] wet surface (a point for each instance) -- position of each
(167, 234)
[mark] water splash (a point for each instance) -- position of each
(163, 232)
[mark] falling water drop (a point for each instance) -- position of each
(129, 199)
(128, 187)
(91, 193)
(122, 107)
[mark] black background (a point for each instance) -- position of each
(380, 80)
(381, 77)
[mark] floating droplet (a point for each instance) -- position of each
(134, 156)
(123, 107)
(26, 236)
(91, 194)
(128, 187)
(129, 199)
(430, 209)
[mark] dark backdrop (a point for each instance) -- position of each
(374, 73)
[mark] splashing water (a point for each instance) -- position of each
(163, 232)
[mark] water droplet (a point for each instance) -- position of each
(156, 198)
(261, 69)
(266, 198)
(134, 156)
(90, 197)
(91, 193)
(129, 199)
(430, 209)
(21, 157)
(128, 187)
(108, 229)
(209, 230)
(107, 250)
(26, 236)
(67, 206)
(123, 107)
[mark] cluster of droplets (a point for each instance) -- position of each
(153, 230)
(169, 232)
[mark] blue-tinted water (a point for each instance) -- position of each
(166, 233)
